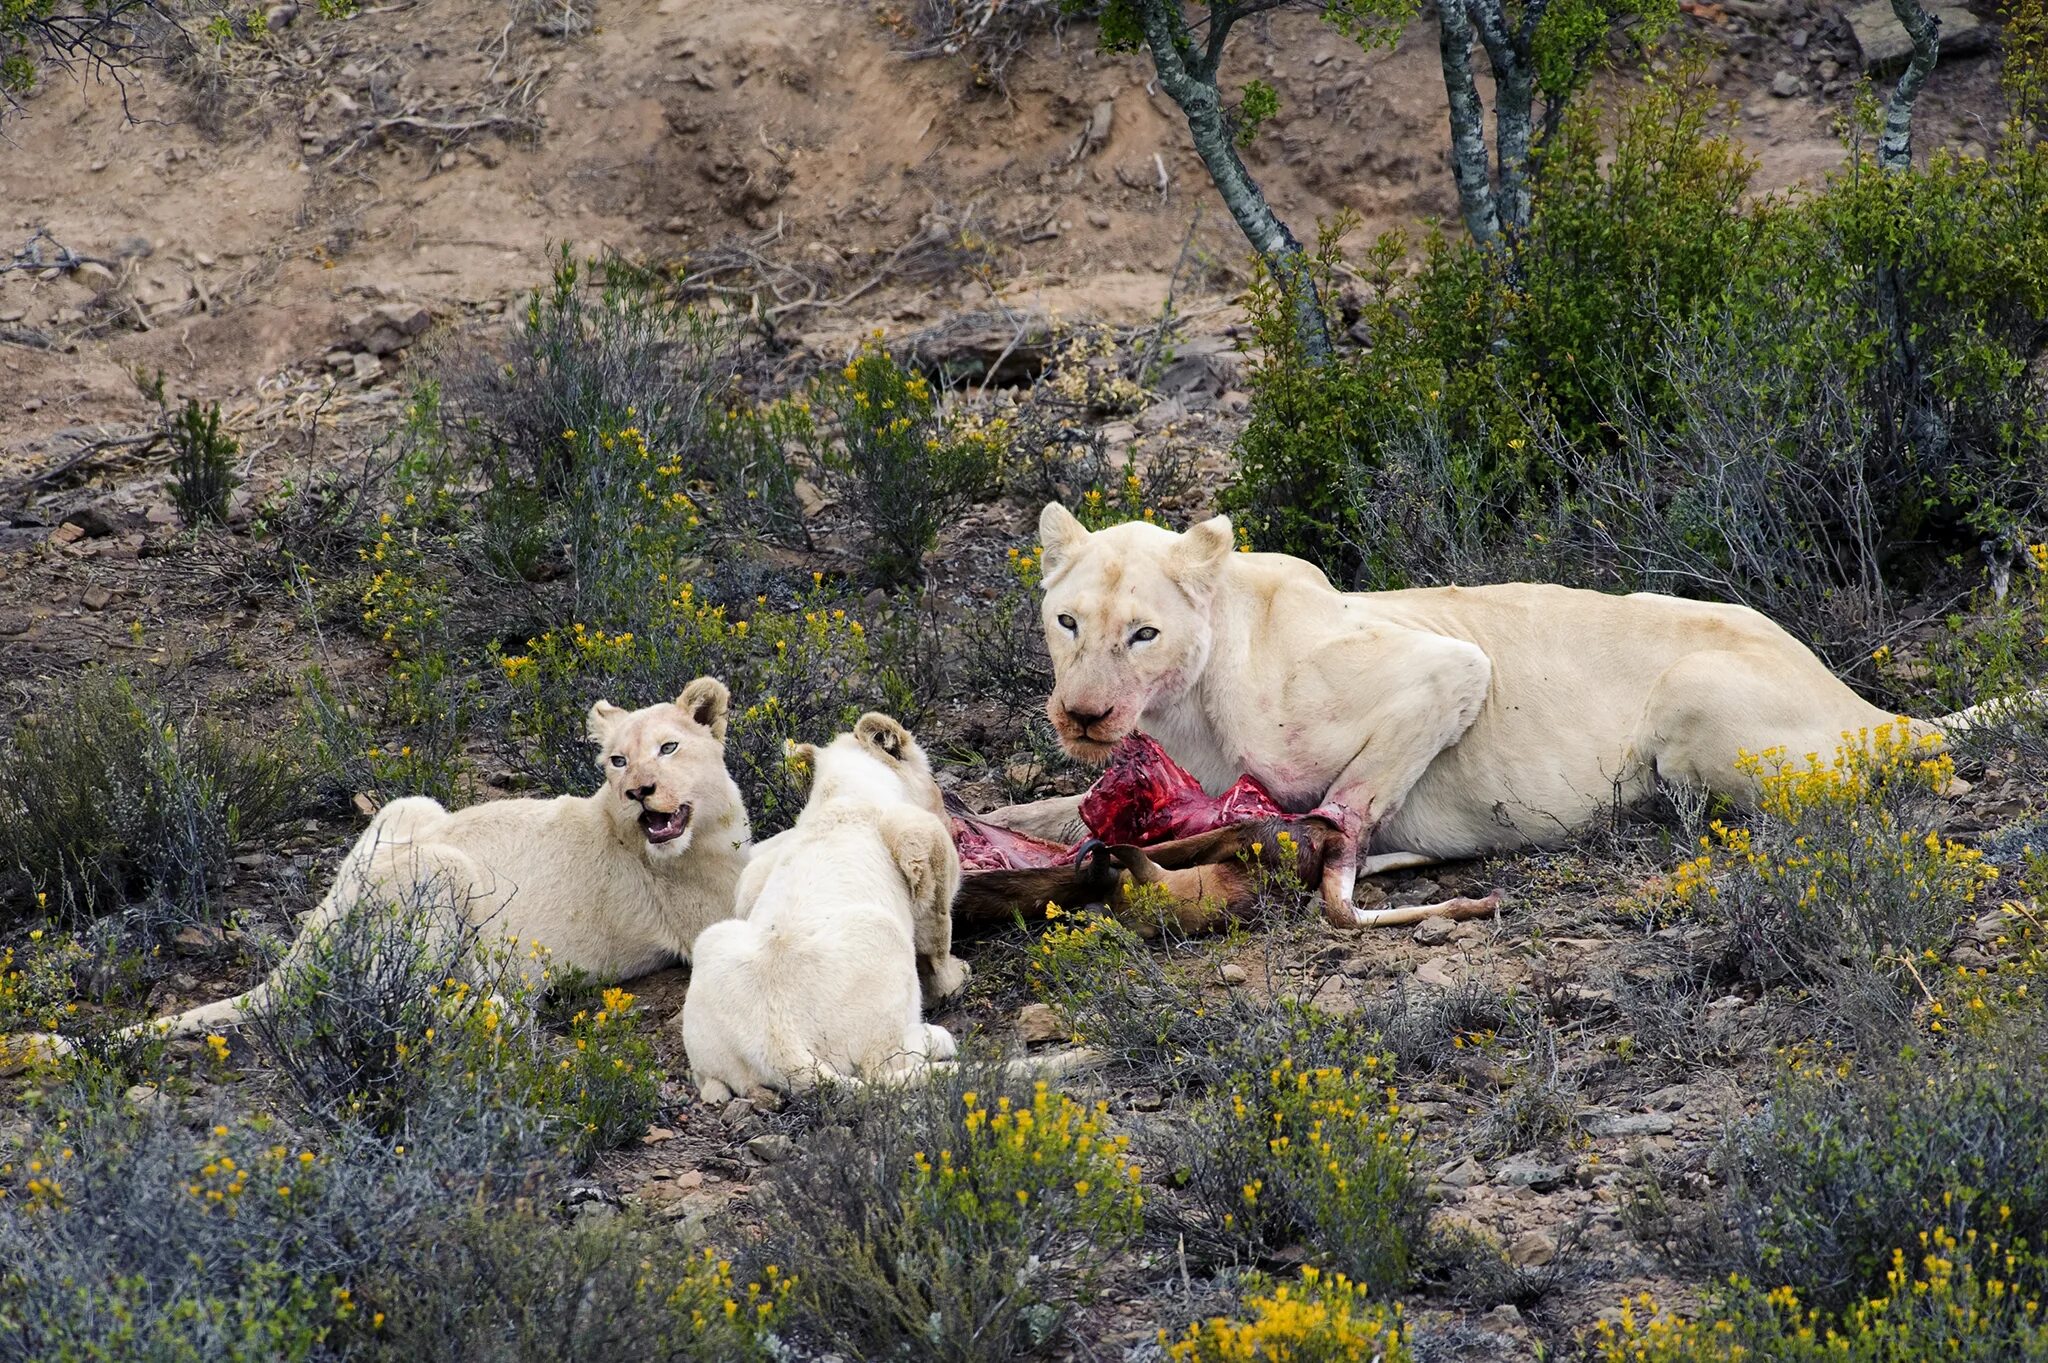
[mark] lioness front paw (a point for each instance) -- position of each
(949, 976)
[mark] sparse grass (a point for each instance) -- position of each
(961, 1219)
(112, 799)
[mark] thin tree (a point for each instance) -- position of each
(1535, 48)
(1187, 53)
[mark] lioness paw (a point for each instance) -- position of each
(949, 976)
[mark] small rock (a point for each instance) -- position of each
(1668, 1099)
(365, 804)
(1502, 1317)
(95, 598)
(145, 1096)
(1464, 1174)
(1098, 219)
(367, 367)
(1786, 85)
(1527, 1172)
(1830, 68)
(764, 1099)
(1147, 1099)
(95, 523)
(1024, 772)
(1416, 892)
(161, 513)
(340, 359)
(1039, 1022)
(1618, 1124)
(1100, 120)
(1117, 434)
(1800, 38)
(810, 500)
(67, 533)
(95, 276)
(1436, 971)
(1233, 974)
(771, 1148)
(1531, 1249)
(1434, 932)
(197, 940)
(1160, 415)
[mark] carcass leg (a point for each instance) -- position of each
(1340, 879)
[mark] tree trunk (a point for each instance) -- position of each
(1895, 147)
(1468, 125)
(1196, 93)
(1514, 97)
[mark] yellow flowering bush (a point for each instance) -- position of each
(1840, 878)
(960, 1220)
(1973, 1298)
(1320, 1318)
(913, 469)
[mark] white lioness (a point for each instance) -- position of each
(616, 883)
(1443, 722)
(818, 976)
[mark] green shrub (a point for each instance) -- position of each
(1842, 1168)
(957, 1220)
(201, 476)
(1974, 1299)
(912, 470)
(516, 1287)
(1323, 1318)
(1840, 885)
(377, 1013)
(110, 798)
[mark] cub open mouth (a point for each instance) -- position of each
(661, 827)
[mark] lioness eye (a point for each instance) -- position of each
(618, 759)
(1067, 623)
(668, 747)
(1145, 635)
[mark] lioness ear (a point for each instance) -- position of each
(878, 730)
(802, 761)
(706, 701)
(598, 724)
(1196, 560)
(1061, 535)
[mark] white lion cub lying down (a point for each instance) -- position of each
(616, 883)
(818, 976)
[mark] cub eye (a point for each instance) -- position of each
(1145, 635)
(1067, 624)
(618, 759)
(668, 747)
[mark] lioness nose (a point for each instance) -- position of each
(641, 793)
(1087, 720)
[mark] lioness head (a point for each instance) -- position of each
(1126, 620)
(878, 763)
(666, 767)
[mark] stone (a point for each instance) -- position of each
(1436, 971)
(67, 533)
(1233, 974)
(1024, 772)
(1434, 932)
(95, 523)
(771, 1148)
(1669, 1099)
(1631, 1124)
(281, 16)
(1786, 85)
(1098, 219)
(1160, 415)
(1416, 892)
(95, 276)
(367, 368)
(95, 598)
(145, 1096)
(1885, 44)
(1531, 1249)
(1100, 120)
(809, 499)
(1525, 1171)
(1039, 1022)
(1466, 1173)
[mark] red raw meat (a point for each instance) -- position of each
(1145, 797)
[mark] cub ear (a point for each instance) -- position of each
(1061, 535)
(706, 701)
(598, 724)
(1196, 561)
(883, 733)
(802, 761)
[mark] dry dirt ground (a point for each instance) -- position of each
(430, 156)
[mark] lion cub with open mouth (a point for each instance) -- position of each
(616, 883)
(818, 976)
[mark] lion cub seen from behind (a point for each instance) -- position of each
(616, 883)
(818, 976)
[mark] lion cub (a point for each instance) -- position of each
(819, 974)
(616, 883)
